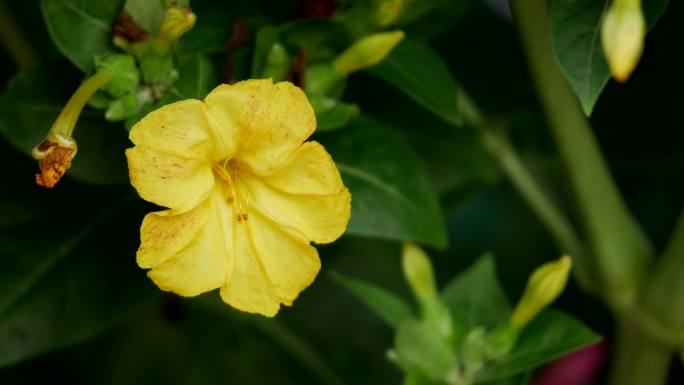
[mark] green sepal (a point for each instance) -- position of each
(125, 75)
(122, 108)
(158, 69)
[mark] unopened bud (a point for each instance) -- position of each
(367, 51)
(544, 286)
(125, 75)
(418, 271)
(622, 34)
(158, 69)
(55, 152)
(122, 108)
(175, 23)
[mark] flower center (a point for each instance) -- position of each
(228, 171)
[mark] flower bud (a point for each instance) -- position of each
(175, 23)
(622, 34)
(418, 272)
(125, 75)
(158, 69)
(367, 51)
(544, 286)
(55, 152)
(122, 108)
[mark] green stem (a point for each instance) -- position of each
(13, 40)
(622, 251)
(639, 359)
(552, 218)
(661, 303)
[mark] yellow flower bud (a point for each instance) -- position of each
(175, 23)
(367, 51)
(418, 271)
(544, 286)
(55, 152)
(622, 33)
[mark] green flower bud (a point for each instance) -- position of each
(122, 108)
(622, 34)
(99, 100)
(125, 75)
(158, 69)
(418, 272)
(322, 79)
(367, 51)
(277, 63)
(544, 286)
(175, 23)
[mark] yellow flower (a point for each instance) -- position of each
(246, 195)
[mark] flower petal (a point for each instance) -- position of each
(179, 128)
(272, 266)
(190, 264)
(270, 120)
(168, 180)
(307, 194)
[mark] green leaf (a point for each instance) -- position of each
(63, 289)
(32, 102)
(476, 296)
(332, 114)
(418, 345)
(146, 13)
(197, 77)
(321, 39)
(265, 39)
(418, 71)
(575, 30)
(386, 305)
(391, 193)
(548, 336)
(81, 29)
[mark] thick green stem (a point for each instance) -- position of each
(499, 146)
(661, 303)
(621, 249)
(13, 40)
(639, 359)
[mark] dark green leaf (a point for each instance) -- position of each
(419, 72)
(30, 105)
(265, 39)
(419, 345)
(548, 336)
(391, 193)
(321, 39)
(81, 29)
(62, 290)
(476, 296)
(575, 28)
(197, 77)
(146, 13)
(386, 305)
(337, 116)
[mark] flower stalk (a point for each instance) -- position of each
(55, 152)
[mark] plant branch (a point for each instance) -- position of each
(622, 251)
(499, 146)
(661, 303)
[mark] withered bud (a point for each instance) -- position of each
(54, 155)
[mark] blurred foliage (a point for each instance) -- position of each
(75, 308)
